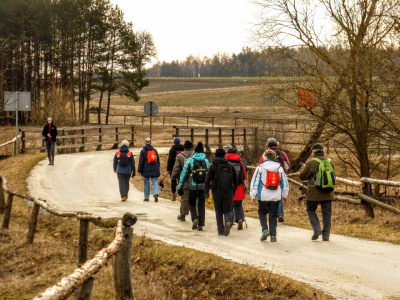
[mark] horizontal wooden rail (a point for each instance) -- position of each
(9, 142)
(78, 135)
(379, 181)
(209, 128)
(79, 128)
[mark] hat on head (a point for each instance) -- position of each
(220, 153)
(188, 145)
(269, 155)
(227, 146)
(177, 141)
(125, 143)
(272, 142)
(317, 147)
(199, 148)
(147, 140)
(232, 150)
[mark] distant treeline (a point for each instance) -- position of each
(70, 49)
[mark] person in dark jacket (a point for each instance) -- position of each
(223, 199)
(315, 196)
(124, 172)
(173, 152)
(50, 136)
(149, 171)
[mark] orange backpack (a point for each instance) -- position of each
(151, 157)
(273, 179)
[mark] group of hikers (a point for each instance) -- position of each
(192, 177)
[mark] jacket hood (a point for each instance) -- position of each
(148, 147)
(233, 156)
(220, 160)
(270, 165)
(199, 156)
(178, 147)
(124, 148)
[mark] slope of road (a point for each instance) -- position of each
(346, 268)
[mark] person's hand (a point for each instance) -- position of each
(284, 200)
(253, 201)
(48, 134)
(180, 192)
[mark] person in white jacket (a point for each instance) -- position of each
(270, 185)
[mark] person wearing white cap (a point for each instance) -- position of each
(124, 166)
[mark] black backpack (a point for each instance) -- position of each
(224, 177)
(199, 171)
(123, 159)
(237, 165)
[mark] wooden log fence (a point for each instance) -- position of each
(81, 280)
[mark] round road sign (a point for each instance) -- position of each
(151, 109)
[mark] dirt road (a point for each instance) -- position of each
(346, 268)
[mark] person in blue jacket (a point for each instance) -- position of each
(149, 169)
(124, 166)
(194, 174)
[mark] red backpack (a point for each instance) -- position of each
(151, 157)
(272, 180)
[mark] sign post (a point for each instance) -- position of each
(151, 110)
(265, 100)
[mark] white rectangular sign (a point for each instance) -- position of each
(24, 101)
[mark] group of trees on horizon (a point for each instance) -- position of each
(65, 51)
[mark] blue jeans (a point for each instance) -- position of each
(154, 183)
(280, 209)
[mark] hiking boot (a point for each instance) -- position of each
(145, 199)
(325, 239)
(124, 199)
(200, 228)
(195, 224)
(264, 235)
(220, 233)
(173, 197)
(181, 218)
(280, 219)
(227, 230)
(316, 235)
(240, 225)
(155, 198)
(273, 238)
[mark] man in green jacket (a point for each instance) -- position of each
(315, 196)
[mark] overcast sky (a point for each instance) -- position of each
(183, 27)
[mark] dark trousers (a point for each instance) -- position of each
(238, 209)
(173, 186)
(271, 208)
(123, 181)
(50, 147)
(223, 209)
(197, 211)
(326, 207)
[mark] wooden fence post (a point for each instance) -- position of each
(255, 130)
(192, 134)
(100, 139)
(220, 138)
(115, 146)
(7, 213)
(43, 146)
(142, 119)
(64, 140)
(207, 138)
(177, 132)
(2, 200)
(32, 224)
(124, 119)
(82, 149)
(132, 143)
(244, 136)
(187, 120)
(122, 267)
(233, 137)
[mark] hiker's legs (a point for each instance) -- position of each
(52, 149)
(227, 206)
(48, 145)
(184, 209)
(326, 207)
(314, 221)
(146, 188)
(201, 206)
(262, 214)
(192, 204)
(280, 210)
(273, 216)
(218, 213)
(173, 186)
(123, 181)
(238, 208)
(154, 183)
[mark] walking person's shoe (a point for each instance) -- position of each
(264, 235)
(325, 239)
(316, 235)
(181, 218)
(280, 219)
(240, 225)
(195, 224)
(124, 199)
(273, 238)
(145, 199)
(173, 197)
(227, 230)
(200, 228)
(155, 198)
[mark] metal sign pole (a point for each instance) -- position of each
(16, 124)
(151, 120)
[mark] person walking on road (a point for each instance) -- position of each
(180, 161)
(149, 169)
(315, 196)
(50, 136)
(124, 166)
(221, 179)
(173, 152)
(283, 159)
(239, 195)
(194, 174)
(270, 185)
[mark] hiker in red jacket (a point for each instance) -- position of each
(241, 175)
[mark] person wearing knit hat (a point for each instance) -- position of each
(314, 196)
(124, 166)
(173, 152)
(149, 169)
(194, 175)
(270, 185)
(221, 179)
(180, 161)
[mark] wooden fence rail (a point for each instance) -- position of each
(82, 280)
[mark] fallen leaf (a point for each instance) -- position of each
(205, 294)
